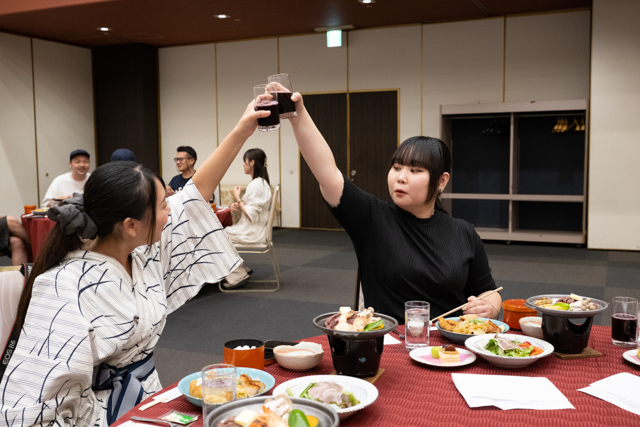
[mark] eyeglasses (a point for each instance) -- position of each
(181, 159)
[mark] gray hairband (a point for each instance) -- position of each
(73, 219)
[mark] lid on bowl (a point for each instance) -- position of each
(517, 305)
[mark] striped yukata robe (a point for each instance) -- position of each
(88, 311)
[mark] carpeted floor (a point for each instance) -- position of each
(318, 275)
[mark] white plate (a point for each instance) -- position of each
(364, 391)
(477, 344)
(632, 356)
(423, 355)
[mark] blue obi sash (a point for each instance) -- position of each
(124, 383)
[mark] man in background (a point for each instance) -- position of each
(13, 240)
(185, 159)
(71, 182)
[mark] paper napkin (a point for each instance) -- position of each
(510, 392)
(389, 340)
(619, 389)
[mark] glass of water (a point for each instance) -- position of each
(218, 386)
(416, 321)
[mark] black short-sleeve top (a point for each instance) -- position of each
(440, 259)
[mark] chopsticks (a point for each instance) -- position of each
(465, 304)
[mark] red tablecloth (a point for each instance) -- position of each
(224, 215)
(37, 228)
(412, 394)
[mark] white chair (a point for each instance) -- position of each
(262, 248)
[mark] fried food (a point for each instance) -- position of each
(544, 301)
(195, 390)
(248, 387)
(447, 325)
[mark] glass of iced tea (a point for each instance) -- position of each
(266, 98)
(286, 107)
(218, 386)
(624, 321)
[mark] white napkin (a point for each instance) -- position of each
(168, 396)
(510, 392)
(619, 389)
(389, 340)
(132, 424)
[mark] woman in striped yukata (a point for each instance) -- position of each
(89, 319)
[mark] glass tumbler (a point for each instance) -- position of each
(286, 107)
(416, 321)
(624, 321)
(266, 98)
(218, 386)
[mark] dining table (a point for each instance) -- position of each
(38, 228)
(415, 394)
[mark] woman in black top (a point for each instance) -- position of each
(410, 249)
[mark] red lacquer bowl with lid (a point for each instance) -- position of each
(513, 310)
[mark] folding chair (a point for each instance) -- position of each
(262, 248)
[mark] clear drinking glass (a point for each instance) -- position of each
(218, 386)
(266, 97)
(286, 106)
(624, 321)
(416, 321)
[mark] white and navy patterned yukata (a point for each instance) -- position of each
(88, 311)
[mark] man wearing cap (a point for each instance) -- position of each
(185, 163)
(71, 182)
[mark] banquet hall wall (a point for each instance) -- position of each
(46, 96)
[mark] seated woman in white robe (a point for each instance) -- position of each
(254, 205)
(89, 319)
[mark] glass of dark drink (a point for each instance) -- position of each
(287, 107)
(624, 321)
(266, 98)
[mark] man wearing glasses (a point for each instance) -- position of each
(185, 163)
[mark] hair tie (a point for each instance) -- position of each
(73, 219)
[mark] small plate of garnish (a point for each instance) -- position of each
(443, 357)
(632, 356)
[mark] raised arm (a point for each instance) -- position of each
(210, 173)
(317, 153)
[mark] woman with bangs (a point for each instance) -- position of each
(411, 248)
(120, 259)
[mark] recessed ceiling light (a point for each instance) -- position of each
(105, 29)
(367, 1)
(223, 16)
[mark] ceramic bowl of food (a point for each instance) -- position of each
(531, 326)
(299, 357)
(461, 337)
(254, 374)
(486, 346)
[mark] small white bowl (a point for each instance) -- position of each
(299, 357)
(531, 326)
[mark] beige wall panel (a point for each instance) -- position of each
(462, 64)
(389, 58)
(64, 107)
(240, 66)
(313, 68)
(17, 128)
(547, 57)
(614, 166)
(187, 102)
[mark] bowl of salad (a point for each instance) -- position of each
(508, 350)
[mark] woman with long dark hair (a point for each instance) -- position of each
(410, 249)
(254, 206)
(91, 317)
